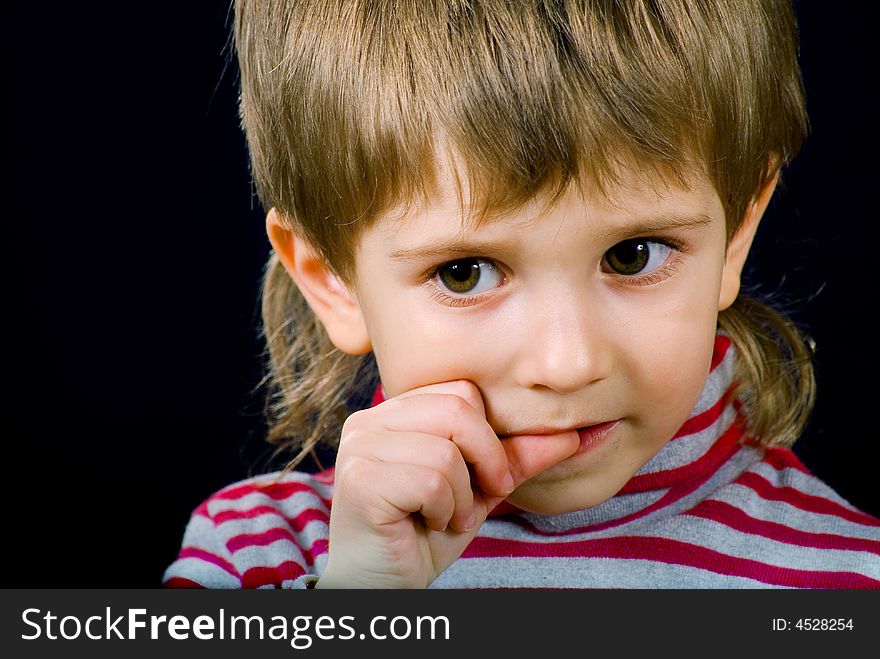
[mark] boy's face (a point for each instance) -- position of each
(599, 312)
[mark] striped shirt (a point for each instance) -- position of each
(707, 511)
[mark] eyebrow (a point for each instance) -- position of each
(458, 247)
(659, 223)
(453, 247)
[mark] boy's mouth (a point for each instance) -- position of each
(589, 435)
(592, 436)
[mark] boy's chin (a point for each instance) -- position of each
(557, 497)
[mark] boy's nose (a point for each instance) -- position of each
(564, 348)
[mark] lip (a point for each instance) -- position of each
(593, 436)
(537, 432)
(590, 435)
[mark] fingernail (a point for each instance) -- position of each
(471, 522)
(508, 482)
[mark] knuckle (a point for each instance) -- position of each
(351, 472)
(448, 456)
(349, 428)
(355, 429)
(354, 421)
(434, 485)
(392, 405)
(349, 436)
(467, 390)
(458, 406)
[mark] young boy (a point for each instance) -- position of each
(530, 219)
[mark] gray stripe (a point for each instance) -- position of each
(780, 512)
(614, 508)
(806, 483)
(717, 383)
(689, 448)
(725, 540)
(582, 573)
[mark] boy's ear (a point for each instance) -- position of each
(329, 298)
(741, 243)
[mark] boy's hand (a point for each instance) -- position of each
(416, 476)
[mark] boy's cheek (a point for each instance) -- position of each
(416, 345)
(404, 367)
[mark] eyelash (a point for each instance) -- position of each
(669, 268)
(439, 295)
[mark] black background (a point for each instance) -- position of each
(134, 250)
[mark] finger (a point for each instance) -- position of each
(529, 455)
(424, 450)
(451, 417)
(461, 388)
(416, 489)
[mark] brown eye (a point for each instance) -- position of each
(632, 257)
(469, 276)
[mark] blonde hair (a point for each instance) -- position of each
(348, 104)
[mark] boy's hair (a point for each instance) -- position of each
(347, 106)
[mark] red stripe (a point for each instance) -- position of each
(734, 518)
(719, 350)
(319, 547)
(181, 582)
(299, 522)
(705, 418)
(808, 502)
(271, 576)
(296, 523)
(269, 536)
(249, 513)
(202, 510)
(671, 552)
(708, 463)
(781, 458)
(327, 476)
(276, 491)
(208, 557)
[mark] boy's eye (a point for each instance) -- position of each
(469, 276)
(638, 255)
